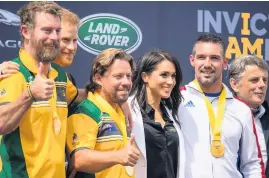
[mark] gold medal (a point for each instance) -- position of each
(129, 170)
(1, 164)
(217, 149)
(57, 125)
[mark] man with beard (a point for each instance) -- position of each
(97, 139)
(68, 45)
(68, 48)
(249, 80)
(33, 101)
(217, 127)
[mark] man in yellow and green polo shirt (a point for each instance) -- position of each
(33, 102)
(97, 139)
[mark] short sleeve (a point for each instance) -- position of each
(81, 133)
(11, 88)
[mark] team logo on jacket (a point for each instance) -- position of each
(75, 139)
(3, 92)
(101, 31)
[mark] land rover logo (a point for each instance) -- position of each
(100, 31)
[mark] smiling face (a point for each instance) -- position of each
(116, 82)
(44, 37)
(252, 86)
(161, 81)
(68, 44)
(208, 64)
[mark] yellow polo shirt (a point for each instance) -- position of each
(95, 125)
(34, 149)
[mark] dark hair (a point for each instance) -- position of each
(103, 62)
(210, 38)
(148, 64)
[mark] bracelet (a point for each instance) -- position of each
(30, 93)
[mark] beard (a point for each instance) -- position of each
(115, 97)
(46, 51)
(64, 60)
(119, 98)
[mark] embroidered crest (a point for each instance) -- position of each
(75, 139)
(3, 92)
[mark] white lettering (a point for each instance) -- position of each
(118, 40)
(103, 40)
(99, 28)
(1, 44)
(11, 44)
(125, 40)
(95, 38)
(107, 28)
(115, 29)
(110, 40)
(91, 30)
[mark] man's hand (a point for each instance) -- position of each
(129, 154)
(8, 68)
(42, 88)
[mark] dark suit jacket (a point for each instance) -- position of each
(265, 126)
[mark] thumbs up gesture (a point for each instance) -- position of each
(42, 88)
(130, 154)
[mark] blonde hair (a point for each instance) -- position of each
(69, 17)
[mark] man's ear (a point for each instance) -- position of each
(191, 57)
(98, 79)
(234, 85)
(225, 63)
(26, 32)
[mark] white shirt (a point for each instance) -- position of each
(237, 136)
(138, 131)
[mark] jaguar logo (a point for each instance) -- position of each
(9, 18)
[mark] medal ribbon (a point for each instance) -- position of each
(215, 122)
(52, 102)
(1, 163)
